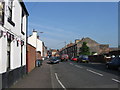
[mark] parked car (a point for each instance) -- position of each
(64, 57)
(114, 63)
(74, 59)
(43, 58)
(53, 60)
(83, 59)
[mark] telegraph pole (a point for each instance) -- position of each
(65, 48)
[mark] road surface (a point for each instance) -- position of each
(70, 75)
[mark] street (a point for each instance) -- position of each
(70, 75)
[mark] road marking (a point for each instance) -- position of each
(95, 72)
(71, 63)
(51, 72)
(59, 81)
(95, 63)
(116, 80)
(78, 66)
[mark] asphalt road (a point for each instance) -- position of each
(71, 75)
(92, 75)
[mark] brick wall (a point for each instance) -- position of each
(97, 58)
(31, 57)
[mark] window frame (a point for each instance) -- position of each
(10, 16)
(2, 10)
(22, 16)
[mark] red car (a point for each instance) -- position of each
(74, 59)
(64, 57)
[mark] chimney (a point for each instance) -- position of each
(38, 37)
(77, 40)
(34, 30)
(34, 33)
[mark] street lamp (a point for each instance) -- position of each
(37, 31)
(41, 32)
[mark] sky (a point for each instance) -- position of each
(63, 22)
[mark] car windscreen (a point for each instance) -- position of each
(116, 60)
(85, 57)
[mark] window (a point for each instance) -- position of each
(21, 55)
(10, 7)
(2, 13)
(22, 43)
(23, 13)
(17, 43)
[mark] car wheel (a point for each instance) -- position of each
(107, 66)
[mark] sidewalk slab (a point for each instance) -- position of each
(39, 78)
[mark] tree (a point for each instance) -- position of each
(84, 50)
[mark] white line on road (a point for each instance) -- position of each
(51, 72)
(95, 63)
(78, 66)
(71, 63)
(116, 80)
(95, 72)
(59, 81)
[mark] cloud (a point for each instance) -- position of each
(46, 27)
(54, 32)
(54, 37)
(53, 43)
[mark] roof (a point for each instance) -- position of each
(88, 40)
(69, 45)
(114, 48)
(54, 50)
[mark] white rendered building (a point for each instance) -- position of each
(36, 42)
(13, 32)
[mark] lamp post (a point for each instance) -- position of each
(39, 32)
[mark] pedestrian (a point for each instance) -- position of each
(38, 62)
(39, 58)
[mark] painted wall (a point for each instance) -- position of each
(37, 43)
(15, 59)
(40, 46)
(32, 40)
(3, 53)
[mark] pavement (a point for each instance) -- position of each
(38, 78)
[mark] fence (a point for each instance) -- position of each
(98, 58)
